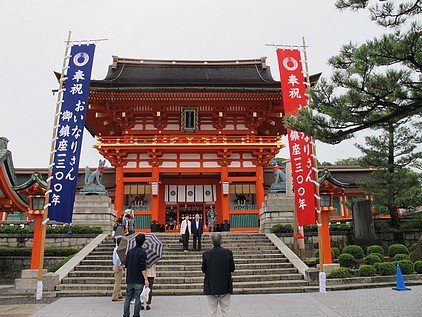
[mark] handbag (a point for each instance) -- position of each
(181, 239)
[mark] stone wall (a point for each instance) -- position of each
(11, 266)
(77, 241)
(277, 208)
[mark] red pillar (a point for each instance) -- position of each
(155, 203)
(118, 200)
(36, 244)
(325, 235)
(225, 199)
(259, 186)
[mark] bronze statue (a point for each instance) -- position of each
(279, 185)
(93, 185)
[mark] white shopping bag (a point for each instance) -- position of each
(144, 294)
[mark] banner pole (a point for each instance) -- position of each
(319, 215)
(39, 291)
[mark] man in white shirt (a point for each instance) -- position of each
(118, 274)
(197, 232)
(185, 231)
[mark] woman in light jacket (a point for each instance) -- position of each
(185, 231)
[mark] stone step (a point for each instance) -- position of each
(197, 286)
(87, 271)
(184, 292)
(197, 261)
(238, 266)
(193, 253)
(183, 280)
(260, 268)
(179, 246)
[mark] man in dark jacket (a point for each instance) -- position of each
(218, 264)
(196, 228)
(136, 276)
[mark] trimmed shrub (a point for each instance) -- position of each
(375, 249)
(282, 228)
(59, 264)
(406, 266)
(413, 247)
(73, 229)
(15, 251)
(347, 260)
(379, 255)
(340, 273)
(397, 248)
(60, 251)
(340, 227)
(385, 268)
(371, 259)
(418, 267)
(367, 270)
(335, 252)
(13, 229)
(354, 250)
(400, 257)
(28, 251)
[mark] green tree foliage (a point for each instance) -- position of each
(376, 85)
(372, 84)
(393, 185)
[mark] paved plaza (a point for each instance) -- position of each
(367, 302)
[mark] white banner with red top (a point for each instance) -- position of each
(293, 89)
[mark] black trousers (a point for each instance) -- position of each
(195, 239)
(185, 238)
(151, 284)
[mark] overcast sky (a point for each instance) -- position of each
(33, 35)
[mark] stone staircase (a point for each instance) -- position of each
(260, 268)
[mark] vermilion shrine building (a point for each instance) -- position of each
(188, 137)
(185, 137)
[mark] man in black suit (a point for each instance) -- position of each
(196, 228)
(218, 265)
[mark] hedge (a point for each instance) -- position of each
(16, 229)
(282, 228)
(406, 266)
(354, 250)
(418, 267)
(385, 268)
(335, 252)
(372, 258)
(347, 260)
(367, 270)
(59, 264)
(340, 273)
(397, 248)
(28, 251)
(375, 249)
(13, 230)
(400, 257)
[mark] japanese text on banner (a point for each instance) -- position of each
(301, 150)
(69, 133)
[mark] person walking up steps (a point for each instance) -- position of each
(118, 274)
(218, 266)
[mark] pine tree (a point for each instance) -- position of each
(392, 184)
(376, 85)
